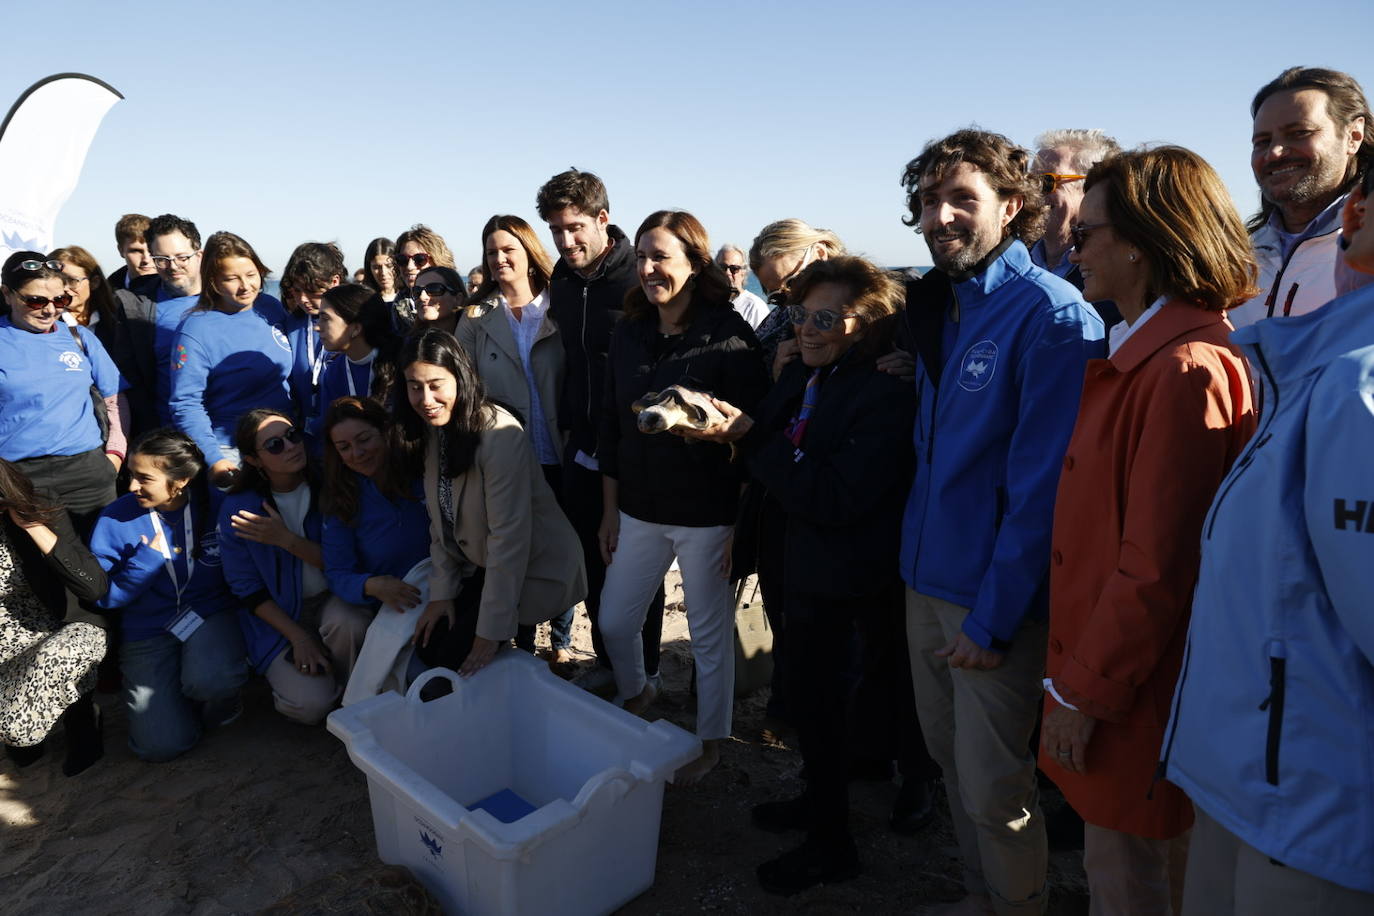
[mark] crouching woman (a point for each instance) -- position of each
(182, 655)
(300, 636)
(503, 552)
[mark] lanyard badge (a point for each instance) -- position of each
(186, 620)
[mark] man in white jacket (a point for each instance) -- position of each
(1313, 136)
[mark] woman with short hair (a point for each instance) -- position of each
(57, 383)
(665, 498)
(831, 446)
(1160, 422)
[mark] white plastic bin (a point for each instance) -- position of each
(593, 773)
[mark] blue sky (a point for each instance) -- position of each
(294, 121)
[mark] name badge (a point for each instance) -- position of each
(184, 624)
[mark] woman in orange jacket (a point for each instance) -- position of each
(1160, 422)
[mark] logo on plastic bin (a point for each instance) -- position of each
(978, 366)
(431, 844)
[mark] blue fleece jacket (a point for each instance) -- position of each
(260, 572)
(993, 424)
(140, 587)
(386, 539)
(1272, 732)
(223, 366)
(305, 346)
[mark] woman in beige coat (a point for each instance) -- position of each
(518, 354)
(503, 553)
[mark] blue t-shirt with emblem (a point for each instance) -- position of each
(224, 365)
(140, 586)
(171, 309)
(45, 391)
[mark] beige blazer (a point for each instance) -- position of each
(505, 520)
(485, 334)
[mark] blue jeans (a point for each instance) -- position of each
(173, 689)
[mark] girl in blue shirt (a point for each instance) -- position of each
(355, 323)
(182, 657)
(231, 353)
(376, 526)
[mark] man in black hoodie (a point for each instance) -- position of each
(595, 269)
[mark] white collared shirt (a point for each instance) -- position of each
(1122, 329)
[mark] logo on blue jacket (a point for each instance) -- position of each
(280, 338)
(978, 366)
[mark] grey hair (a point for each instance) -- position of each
(1090, 146)
(726, 249)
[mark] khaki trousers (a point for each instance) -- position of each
(1229, 877)
(1132, 875)
(308, 698)
(977, 725)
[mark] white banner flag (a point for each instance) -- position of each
(43, 145)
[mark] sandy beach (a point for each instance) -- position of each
(266, 814)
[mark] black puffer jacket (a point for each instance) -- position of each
(664, 478)
(586, 310)
(843, 491)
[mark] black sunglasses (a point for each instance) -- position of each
(277, 444)
(1080, 233)
(436, 289)
(419, 258)
(824, 320)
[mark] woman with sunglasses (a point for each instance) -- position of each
(780, 252)
(47, 660)
(52, 376)
(503, 553)
(831, 445)
(1160, 422)
(231, 353)
(518, 353)
(439, 298)
(417, 248)
(181, 652)
(302, 638)
(665, 497)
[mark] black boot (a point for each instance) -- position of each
(84, 743)
(820, 860)
(914, 807)
(24, 756)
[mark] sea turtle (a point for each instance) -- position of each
(660, 411)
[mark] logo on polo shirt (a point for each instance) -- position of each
(978, 366)
(209, 549)
(71, 359)
(280, 338)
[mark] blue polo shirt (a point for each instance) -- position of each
(45, 391)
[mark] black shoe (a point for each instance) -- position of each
(24, 756)
(84, 742)
(813, 862)
(1064, 829)
(914, 807)
(782, 816)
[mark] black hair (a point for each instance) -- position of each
(166, 224)
(358, 304)
(471, 409)
(386, 248)
(12, 276)
(251, 477)
(311, 266)
(178, 456)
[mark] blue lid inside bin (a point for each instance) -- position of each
(505, 806)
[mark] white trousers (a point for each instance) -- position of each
(642, 558)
